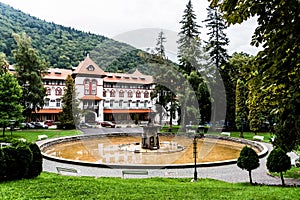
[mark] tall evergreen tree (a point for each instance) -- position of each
(240, 106)
(215, 48)
(190, 53)
(70, 115)
(29, 68)
(189, 41)
(160, 47)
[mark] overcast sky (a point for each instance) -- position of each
(124, 19)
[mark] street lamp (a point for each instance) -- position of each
(195, 157)
(200, 134)
(12, 123)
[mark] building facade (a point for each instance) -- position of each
(123, 98)
(54, 82)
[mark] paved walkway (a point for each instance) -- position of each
(228, 173)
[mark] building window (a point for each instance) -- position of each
(121, 103)
(146, 94)
(137, 104)
(47, 102)
(86, 86)
(58, 91)
(112, 93)
(94, 87)
(90, 87)
(104, 93)
(48, 91)
(145, 104)
(129, 104)
(90, 68)
(130, 94)
(111, 103)
(57, 102)
(121, 93)
(138, 94)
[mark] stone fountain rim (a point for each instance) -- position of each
(48, 142)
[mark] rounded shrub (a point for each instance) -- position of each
(2, 166)
(12, 167)
(24, 160)
(20, 160)
(248, 160)
(36, 166)
(278, 161)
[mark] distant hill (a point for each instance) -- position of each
(65, 47)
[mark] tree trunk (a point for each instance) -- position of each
(282, 179)
(250, 177)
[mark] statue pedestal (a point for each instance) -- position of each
(150, 139)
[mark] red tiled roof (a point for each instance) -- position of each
(107, 111)
(82, 68)
(136, 77)
(91, 97)
(57, 74)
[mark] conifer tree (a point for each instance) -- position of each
(241, 111)
(190, 53)
(215, 49)
(189, 41)
(70, 115)
(217, 38)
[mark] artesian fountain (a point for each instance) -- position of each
(150, 141)
(144, 149)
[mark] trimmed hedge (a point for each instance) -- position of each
(20, 160)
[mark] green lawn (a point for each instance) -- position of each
(53, 186)
(31, 135)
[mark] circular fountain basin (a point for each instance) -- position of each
(124, 151)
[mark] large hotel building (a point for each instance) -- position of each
(103, 96)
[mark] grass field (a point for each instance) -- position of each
(53, 186)
(31, 135)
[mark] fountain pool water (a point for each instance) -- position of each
(123, 150)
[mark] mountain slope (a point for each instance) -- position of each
(64, 47)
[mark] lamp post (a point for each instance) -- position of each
(195, 157)
(12, 123)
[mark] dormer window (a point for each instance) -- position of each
(90, 68)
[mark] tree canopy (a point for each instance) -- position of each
(10, 94)
(275, 69)
(29, 68)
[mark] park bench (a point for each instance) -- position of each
(4, 144)
(64, 169)
(226, 133)
(258, 137)
(134, 172)
(42, 137)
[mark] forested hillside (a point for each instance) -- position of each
(65, 47)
